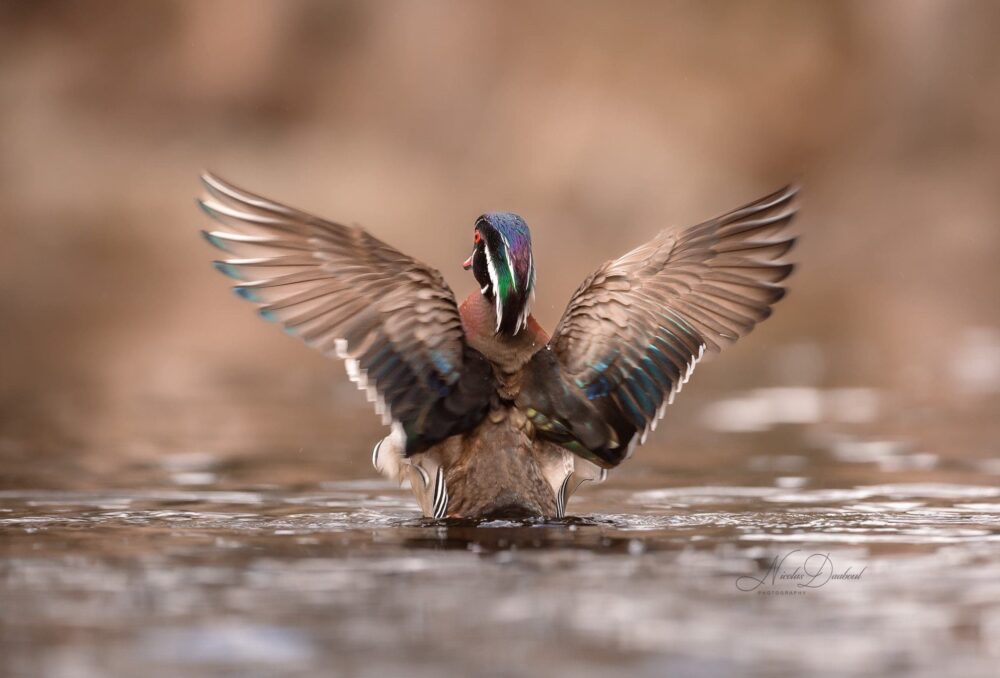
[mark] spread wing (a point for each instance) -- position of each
(391, 318)
(635, 329)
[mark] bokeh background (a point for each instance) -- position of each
(599, 122)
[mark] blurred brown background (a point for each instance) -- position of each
(599, 122)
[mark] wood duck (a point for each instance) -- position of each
(489, 415)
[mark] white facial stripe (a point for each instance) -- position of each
(526, 311)
(521, 321)
(496, 288)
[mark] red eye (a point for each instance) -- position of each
(476, 238)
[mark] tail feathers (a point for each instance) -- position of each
(566, 472)
(424, 472)
(427, 482)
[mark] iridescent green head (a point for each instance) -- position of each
(504, 268)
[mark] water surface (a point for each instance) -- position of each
(805, 551)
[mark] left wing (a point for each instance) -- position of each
(391, 318)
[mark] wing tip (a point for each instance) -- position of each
(268, 314)
(213, 239)
(783, 271)
(781, 198)
(227, 269)
(226, 192)
(245, 292)
(791, 189)
(210, 208)
(783, 195)
(212, 181)
(787, 245)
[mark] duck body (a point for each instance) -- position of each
(489, 416)
(501, 468)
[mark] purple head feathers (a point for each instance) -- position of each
(503, 266)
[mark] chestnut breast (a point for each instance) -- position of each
(508, 354)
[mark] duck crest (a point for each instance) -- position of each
(504, 266)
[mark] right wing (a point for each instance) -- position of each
(635, 329)
(391, 318)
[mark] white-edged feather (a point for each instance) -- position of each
(640, 438)
(492, 269)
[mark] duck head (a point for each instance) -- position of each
(502, 263)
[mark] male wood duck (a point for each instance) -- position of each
(489, 415)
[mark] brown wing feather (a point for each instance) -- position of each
(392, 319)
(636, 327)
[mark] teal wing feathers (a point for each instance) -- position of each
(391, 318)
(635, 329)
